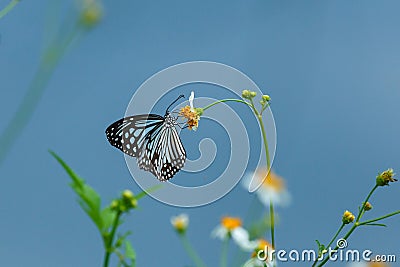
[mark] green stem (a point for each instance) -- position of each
(8, 8)
(357, 223)
(361, 211)
(109, 245)
(336, 235)
(272, 219)
(191, 252)
(380, 218)
(337, 247)
(271, 204)
(48, 63)
(225, 100)
(330, 243)
(224, 252)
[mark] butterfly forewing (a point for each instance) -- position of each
(127, 134)
(153, 140)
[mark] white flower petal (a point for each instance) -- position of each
(241, 237)
(191, 98)
(219, 232)
(183, 218)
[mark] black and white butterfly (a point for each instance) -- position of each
(153, 140)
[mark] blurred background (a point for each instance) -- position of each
(331, 68)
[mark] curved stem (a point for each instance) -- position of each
(48, 63)
(225, 100)
(8, 8)
(108, 246)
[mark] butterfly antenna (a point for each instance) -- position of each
(179, 97)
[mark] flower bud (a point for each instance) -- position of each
(367, 206)
(348, 217)
(91, 13)
(385, 177)
(114, 204)
(127, 194)
(266, 98)
(246, 94)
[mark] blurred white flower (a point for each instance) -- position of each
(180, 222)
(259, 258)
(232, 227)
(272, 188)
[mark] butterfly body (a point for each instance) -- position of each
(153, 140)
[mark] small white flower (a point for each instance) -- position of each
(191, 98)
(231, 227)
(272, 188)
(180, 222)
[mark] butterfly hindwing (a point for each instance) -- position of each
(163, 153)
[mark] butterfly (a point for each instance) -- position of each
(153, 140)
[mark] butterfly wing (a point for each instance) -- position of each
(163, 153)
(128, 134)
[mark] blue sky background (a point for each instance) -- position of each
(331, 67)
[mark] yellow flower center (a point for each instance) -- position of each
(274, 182)
(263, 245)
(231, 223)
(180, 225)
(191, 116)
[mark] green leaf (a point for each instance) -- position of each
(129, 252)
(376, 224)
(147, 191)
(89, 199)
(107, 217)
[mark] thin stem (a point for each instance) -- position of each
(191, 252)
(361, 212)
(271, 204)
(224, 252)
(336, 235)
(330, 243)
(225, 100)
(48, 63)
(8, 8)
(272, 218)
(356, 223)
(380, 218)
(337, 247)
(108, 246)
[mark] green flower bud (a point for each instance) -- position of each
(91, 14)
(266, 98)
(127, 194)
(253, 94)
(246, 94)
(114, 205)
